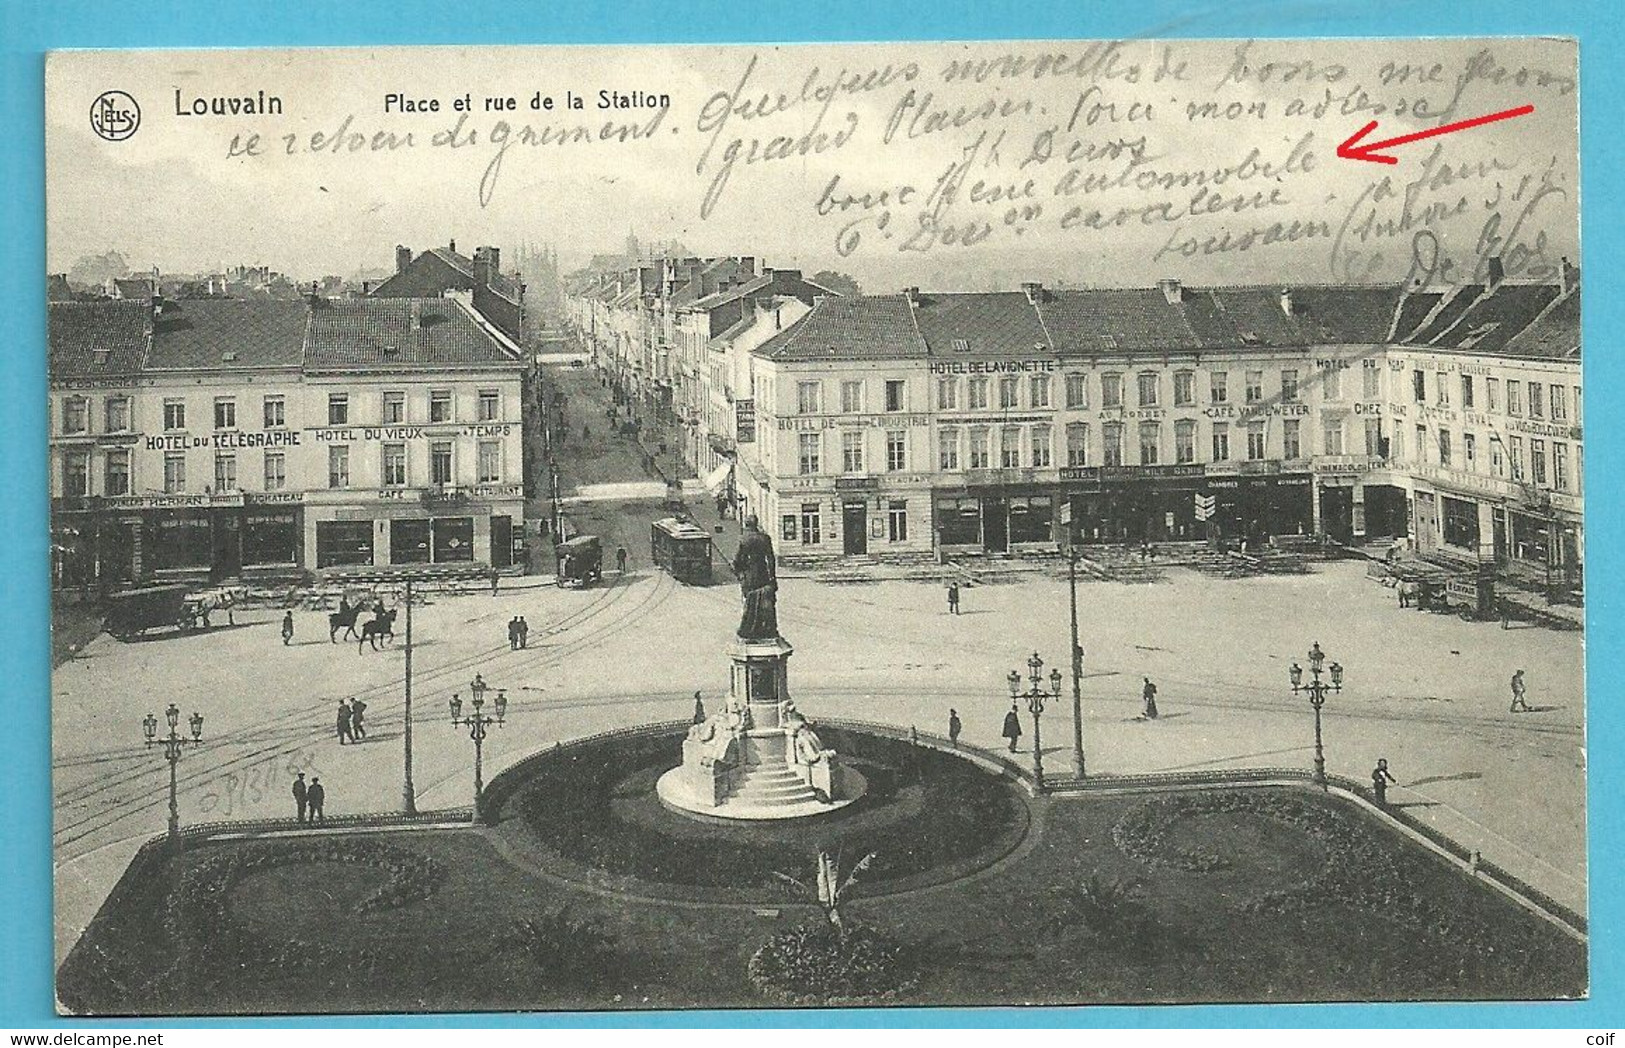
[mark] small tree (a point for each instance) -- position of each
(831, 890)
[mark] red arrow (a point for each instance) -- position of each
(1349, 150)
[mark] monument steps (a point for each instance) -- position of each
(763, 785)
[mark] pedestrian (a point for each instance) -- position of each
(1505, 607)
(1149, 692)
(345, 732)
(699, 709)
(620, 559)
(953, 597)
(1518, 691)
(586, 433)
(358, 730)
(287, 629)
(299, 795)
(524, 631)
(954, 727)
(315, 796)
(495, 575)
(1407, 591)
(513, 633)
(1012, 727)
(1380, 780)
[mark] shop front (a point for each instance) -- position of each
(482, 525)
(1134, 503)
(1254, 509)
(994, 520)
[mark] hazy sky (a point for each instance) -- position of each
(1097, 163)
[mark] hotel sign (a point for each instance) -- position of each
(992, 367)
(745, 421)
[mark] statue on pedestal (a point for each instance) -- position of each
(757, 570)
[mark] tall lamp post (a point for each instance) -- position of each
(1035, 696)
(173, 743)
(1317, 690)
(1077, 667)
(476, 723)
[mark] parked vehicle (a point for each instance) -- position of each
(134, 612)
(580, 561)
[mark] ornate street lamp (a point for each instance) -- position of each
(1317, 690)
(476, 723)
(174, 744)
(1035, 696)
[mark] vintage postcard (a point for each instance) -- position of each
(575, 528)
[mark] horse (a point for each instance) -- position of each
(343, 618)
(383, 626)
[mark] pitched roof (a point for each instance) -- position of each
(879, 327)
(1346, 314)
(393, 334)
(726, 295)
(133, 287)
(1494, 318)
(95, 339)
(1555, 334)
(988, 323)
(1128, 319)
(226, 333)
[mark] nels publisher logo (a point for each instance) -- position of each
(114, 116)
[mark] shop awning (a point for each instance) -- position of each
(717, 478)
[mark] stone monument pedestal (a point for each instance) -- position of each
(758, 757)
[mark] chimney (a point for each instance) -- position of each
(1568, 277)
(403, 257)
(1171, 291)
(912, 294)
(482, 266)
(366, 288)
(1286, 301)
(452, 247)
(1497, 272)
(747, 264)
(1032, 289)
(778, 317)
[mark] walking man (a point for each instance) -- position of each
(699, 709)
(1149, 692)
(953, 597)
(1012, 727)
(345, 732)
(1380, 780)
(315, 796)
(358, 730)
(586, 433)
(299, 795)
(524, 631)
(287, 629)
(1518, 690)
(620, 559)
(954, 727)
(513, 633)
(495, 575)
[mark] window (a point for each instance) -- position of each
(1444, 447)
(894, 395)
(809, 446)
(440, 463)
(1077, 444)
(947, 393)
(1040, 438)
(948, 450)
(1009, 392)
(1221, 441)
(174, 471)
(1331, 383)
(1148, 389)
(1441, 386)
(808, 398)
(394, 465)
(1492, 394)
(1515, 449)
(851, 397)
(76, 474)
(1422, 444)
(1010, 447)
(276, 412)
(1469, 452)
(1498, 462)
(1371, 381)
(1289, 387)
(1373, 437)
(1331, 438)
(75, 415)
(1537, 462)
(1184, 441)
(1111, 390)
(1255, 386)
(1038, 391)
(1559, 403)
(489, 407)
(1515, 399)
(1560, 464)
(979, 455)
(897, 521)
(174, 413)
(489, 461)
(1536, 401)
(1396, 445)
(811, 534)
(1466, 391)
(117, 411)
(896, 451)
(338, 409)
(1577, 409)
(1184, 388)
(1419, 387)
(1218, 387)
(1292, 438)
(1255, 441)
(394, 408)
(978, 394)
(225, 413)
(787, 527)
(1077, 390)
(338, 466)
(225, 472)
(440, 405)
(852, 452)
(276, 470)
(1111, 437)
(117, 478)
(1150, 443)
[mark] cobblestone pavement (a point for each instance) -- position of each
(1428, 692)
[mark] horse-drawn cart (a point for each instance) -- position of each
(134, 612)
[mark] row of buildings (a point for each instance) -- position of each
(991, 422)
(223, 438)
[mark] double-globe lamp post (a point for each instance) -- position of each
(1317, 689)
(476, 723)
(1035, 696)
(173, 743)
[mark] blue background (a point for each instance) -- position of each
(27, 29)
